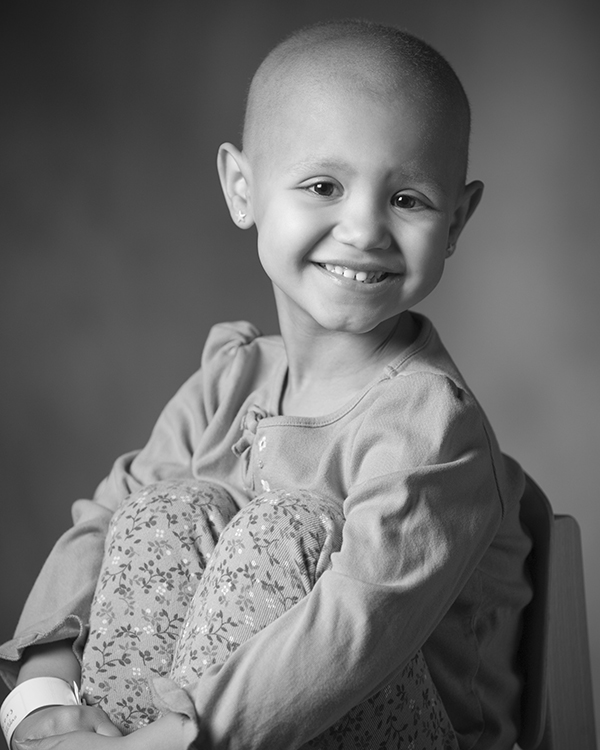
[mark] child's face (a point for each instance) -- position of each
(356, 201)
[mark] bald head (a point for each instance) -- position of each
(357, 56)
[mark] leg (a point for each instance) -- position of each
(406, 714)
(157, 549)
(267, 559)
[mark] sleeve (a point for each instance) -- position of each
(424, 508)
(59, 604)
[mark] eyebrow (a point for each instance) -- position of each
(319, 165)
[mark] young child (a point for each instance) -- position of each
(320, 544)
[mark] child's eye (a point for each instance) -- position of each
(323, 189)
(401, 200)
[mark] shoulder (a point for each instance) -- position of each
(229, 340)
(421, 412)
(423, 390)
(237, 351)
(424, 418)
(224, 339)
(428, 357)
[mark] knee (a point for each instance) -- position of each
(167, 498)
(299, 529)
(184, 513)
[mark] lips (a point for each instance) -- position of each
(364, 277)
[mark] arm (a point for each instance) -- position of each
(412, 538)
(171, 732)
(53, 627)
(60, 612)
(57, 660)
(58, 606)
(52, 630)
(50, 660)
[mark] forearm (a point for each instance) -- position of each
(50, 660)
(171, 732)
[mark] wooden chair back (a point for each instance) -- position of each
(557, 704)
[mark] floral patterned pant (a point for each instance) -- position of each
(187, 578)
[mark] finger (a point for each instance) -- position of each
(107, 729)
(69, 741)
(100, 723)
(34, 744)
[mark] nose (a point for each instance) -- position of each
(363, 224)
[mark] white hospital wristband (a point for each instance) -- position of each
(33, 694)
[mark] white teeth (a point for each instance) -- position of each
(366, 277)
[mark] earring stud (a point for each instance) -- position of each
(240, 216)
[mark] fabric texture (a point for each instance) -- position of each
(168, 547)
(158, 544)
(432, 554)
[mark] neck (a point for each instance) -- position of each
(327, 368)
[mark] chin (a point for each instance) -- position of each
(356, 327)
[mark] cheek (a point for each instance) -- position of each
(266, 258)
(269, 236)
(289, 230)
(432, 270)
(425, 258)
(426, 245)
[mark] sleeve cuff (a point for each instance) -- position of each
(169, 697)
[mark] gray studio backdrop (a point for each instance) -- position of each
(117, 255)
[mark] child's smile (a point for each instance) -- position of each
(353, 204)
(364, 277)
(356, 193)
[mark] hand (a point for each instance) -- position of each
(60, 720)
(71, 741)
(170, 732)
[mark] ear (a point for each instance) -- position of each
(467, 203)
(234, 172)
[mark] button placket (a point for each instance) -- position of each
(262, 444)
